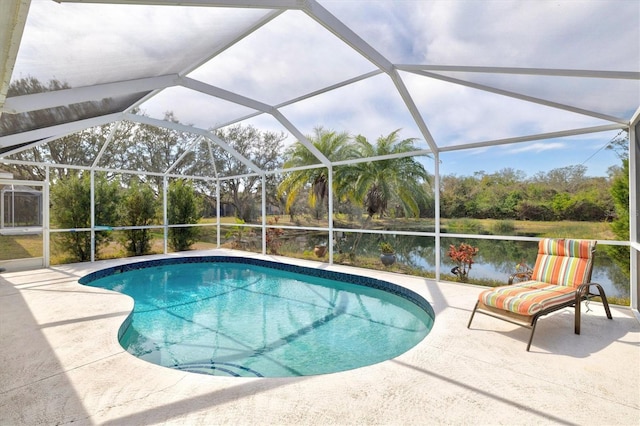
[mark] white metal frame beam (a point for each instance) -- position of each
(190, 129)
(38, 101)
(308, 96)
(413, 109)
(54, 132)
(253, 104)
(217, 92)
(555, 72)
(539, 136)
(634, 211)
(256, 4)
(346, 34)
(13, 17)
(186, 152)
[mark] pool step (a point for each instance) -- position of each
(215, 368)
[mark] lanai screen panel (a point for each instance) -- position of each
(289, 57)
(574, 34)
(460, 115)
(370, 107)
(32, 120)
(84, 44)
(67, 46)
(194, 108)
(615, 97)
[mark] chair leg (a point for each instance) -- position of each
(576, 327)
(603, 297)
(534, 322)
(472, 314)
(605, 302)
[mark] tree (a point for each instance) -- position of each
(138, 208)
(457, 196)
(376, 183)
(334, 146)
(620, 225)
(159, 148)
(183, 208)
(71, 208)
(262, 149)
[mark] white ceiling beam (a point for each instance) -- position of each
(195, 130)
(37, 101)
(416, 153)
(413, 110)
(224, 145)
(295, 169)
(522, 97)
(635, 118)
(112, 134)
(251, 103)
(346, 34)
(187, 150)
(330, 88)
(307, 96)
(13, 17)
(57, 130)
(531, 138)
(225, 94)
(99, 169)
(301, 138)
(555, 72)
(256, 4)
(143, 119)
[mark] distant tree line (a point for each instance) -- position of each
(560, 194)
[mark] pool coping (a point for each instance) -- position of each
(64, 365)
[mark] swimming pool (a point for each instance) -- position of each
(231, 316)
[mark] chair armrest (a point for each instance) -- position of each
(520, 276)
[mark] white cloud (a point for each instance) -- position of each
(538, 147)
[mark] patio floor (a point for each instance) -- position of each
(60, 363)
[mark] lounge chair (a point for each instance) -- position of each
(560, 278)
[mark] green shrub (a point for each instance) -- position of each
(138, 208)
(183, 208)
(503, 227)
(71, 209)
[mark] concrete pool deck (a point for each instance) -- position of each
(60, 363)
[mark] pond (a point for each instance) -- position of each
(495, 261)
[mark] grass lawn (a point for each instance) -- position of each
(20, 246)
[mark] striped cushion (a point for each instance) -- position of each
(527, 298)
(564, 262)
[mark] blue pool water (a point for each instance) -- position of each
(219, 316)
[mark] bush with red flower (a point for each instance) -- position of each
(463, 257)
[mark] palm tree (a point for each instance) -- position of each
(335, 146)
(375, 184)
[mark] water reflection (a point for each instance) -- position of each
(496, 259)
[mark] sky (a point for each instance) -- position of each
(293, 55)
